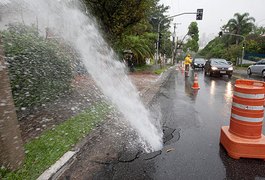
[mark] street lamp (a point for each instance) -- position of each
(173, 43)
(199, 11)
(243, 46)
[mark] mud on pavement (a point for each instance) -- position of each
(112, 143)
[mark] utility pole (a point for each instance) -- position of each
(199, 14)
(243, 46)
(173, 44)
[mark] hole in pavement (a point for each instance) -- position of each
(128, 155)
(169, 134)
(151, 155)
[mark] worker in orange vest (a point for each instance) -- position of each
(187, 62)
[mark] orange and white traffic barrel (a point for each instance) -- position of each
(244, 137)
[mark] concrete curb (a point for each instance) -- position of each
(56, 169)
(69, 157)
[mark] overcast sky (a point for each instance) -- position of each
(216, 13)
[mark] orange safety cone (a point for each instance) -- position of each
(195, 83)
(244, 137)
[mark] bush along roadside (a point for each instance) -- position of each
(39, 69)
(45, 150)
(161, 70)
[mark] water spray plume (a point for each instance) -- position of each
(75, 26)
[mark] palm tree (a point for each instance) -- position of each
(141, 46)
(241, 24)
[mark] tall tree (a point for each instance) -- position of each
(157, 13)
(193, 32)
(259, 30)
(241, 24)
(117, 15)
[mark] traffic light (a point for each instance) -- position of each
(199, 14)
(220, 33)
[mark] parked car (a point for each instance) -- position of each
(215, 66)
(257, 68)
(198, 63)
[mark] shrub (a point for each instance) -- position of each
(39, 69)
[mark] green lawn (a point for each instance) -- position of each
(44, 151)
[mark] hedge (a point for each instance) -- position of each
(39, 69)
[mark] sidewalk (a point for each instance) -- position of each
(149, 84)
(104, 143)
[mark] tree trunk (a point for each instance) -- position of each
(11, 145)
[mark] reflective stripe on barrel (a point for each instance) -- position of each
(247, 107)
(249, 96)
(246, 119)
(247, 111)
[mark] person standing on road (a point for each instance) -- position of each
(187, 62)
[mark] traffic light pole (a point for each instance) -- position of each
(158, 31)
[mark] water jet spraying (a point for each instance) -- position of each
(81, 31)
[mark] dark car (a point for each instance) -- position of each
(219, 67)
(198, 63)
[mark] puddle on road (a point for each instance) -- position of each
(170, 134)
(131, 155)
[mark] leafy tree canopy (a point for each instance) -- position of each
(131, 24)
(230, 47)
(193, 32)
(241, 24)
(117, 15)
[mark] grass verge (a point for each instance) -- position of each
(160, 71)
(44, 151)
(143, 68)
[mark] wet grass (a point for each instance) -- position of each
(161, 70)
(148, 68)
(44, 151)
(143, 68)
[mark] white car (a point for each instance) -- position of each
(257, 68)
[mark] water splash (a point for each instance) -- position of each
(78, 28)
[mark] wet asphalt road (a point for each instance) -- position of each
(192, 122)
